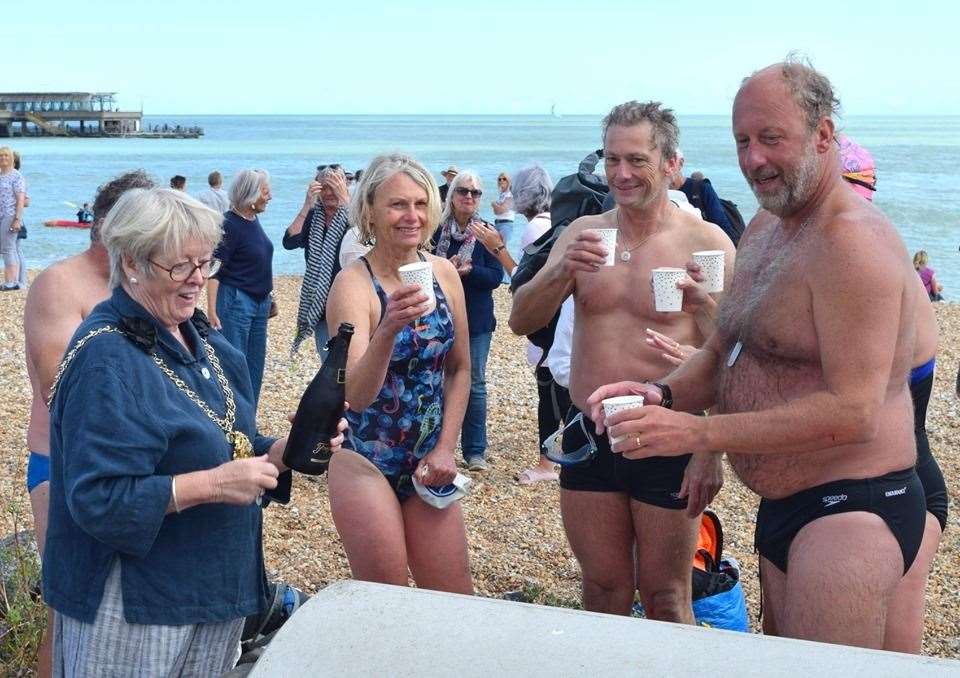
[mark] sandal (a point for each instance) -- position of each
(536, 475)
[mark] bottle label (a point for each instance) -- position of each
(322, 449)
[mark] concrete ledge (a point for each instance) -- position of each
(356, 628)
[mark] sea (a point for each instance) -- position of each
(916, 187)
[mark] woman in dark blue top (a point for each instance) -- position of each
(154, 551)
(238, 299)
(407, 380)
(481, 273)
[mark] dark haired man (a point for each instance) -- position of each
(609, 503)
(178, 182)
(808, 374)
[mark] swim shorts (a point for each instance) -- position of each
(655, 481)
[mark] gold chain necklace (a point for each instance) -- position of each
(625, 255)
(239, 442)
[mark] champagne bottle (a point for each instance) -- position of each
(320, 410)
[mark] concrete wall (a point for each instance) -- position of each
(361, 629)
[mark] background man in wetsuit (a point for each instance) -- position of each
(807, 371)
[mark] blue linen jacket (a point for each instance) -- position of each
(119, 430)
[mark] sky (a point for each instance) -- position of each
(489, 57)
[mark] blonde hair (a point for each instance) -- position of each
(920, 259)
(145, 222)
(382, 168)
(6, 150)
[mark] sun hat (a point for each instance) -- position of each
(858, 167)
(450, 172)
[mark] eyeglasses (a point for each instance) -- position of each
(182, 271)
(553, 445)
(334, 166)
(474, 193)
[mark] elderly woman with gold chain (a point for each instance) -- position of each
(154, 552)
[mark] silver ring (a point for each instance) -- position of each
(637, 439)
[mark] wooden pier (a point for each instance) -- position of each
(77, 114)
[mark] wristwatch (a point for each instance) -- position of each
(666, 395)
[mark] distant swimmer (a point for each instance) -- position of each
(807, 374)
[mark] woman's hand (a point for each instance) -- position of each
(488, 237)
(313, 195)
(463, 266)
(337, 182)
(672, 350)
(437, 468)
(242, 481)
(214, 320)
(405, 305)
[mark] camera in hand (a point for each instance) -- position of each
(320, 410)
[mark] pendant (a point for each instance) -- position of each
(242, 449)
(625, 256)
(205, 372)
(735, 353)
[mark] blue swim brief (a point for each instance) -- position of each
(38, 470)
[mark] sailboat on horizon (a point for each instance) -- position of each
(553, 111)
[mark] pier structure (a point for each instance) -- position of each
(65, 114)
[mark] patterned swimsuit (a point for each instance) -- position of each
(402, 425)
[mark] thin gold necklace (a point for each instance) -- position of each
(625, 255)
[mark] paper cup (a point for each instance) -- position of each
(609, 236)
(612, 405)
(420, 273)
(711, 265)
(666, 295)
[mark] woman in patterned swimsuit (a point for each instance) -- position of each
(408, 380)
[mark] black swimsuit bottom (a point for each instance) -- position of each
(896, 497)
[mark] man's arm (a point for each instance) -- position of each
(50, 318)
(536, 302)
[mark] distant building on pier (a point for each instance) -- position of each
(81, 114)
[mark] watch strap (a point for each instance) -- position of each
(666, 398)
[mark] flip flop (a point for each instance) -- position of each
(536, 475)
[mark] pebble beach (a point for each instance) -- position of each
(515, 533)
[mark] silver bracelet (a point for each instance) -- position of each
(173, 491)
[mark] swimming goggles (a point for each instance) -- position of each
(553, 445)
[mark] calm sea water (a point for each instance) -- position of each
(914, 155)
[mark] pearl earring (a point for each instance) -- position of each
(133, 281)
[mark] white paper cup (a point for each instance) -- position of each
(711, 265)
(609, 236)
(420, 273)
(618, 403)
(666, 295)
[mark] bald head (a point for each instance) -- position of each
(809, 89)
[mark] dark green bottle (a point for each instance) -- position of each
(320, 410)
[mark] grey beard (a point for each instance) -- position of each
(797, 185)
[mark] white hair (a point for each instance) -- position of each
(146, 222)
(462, 177)
(532, 189)
(245, 187)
